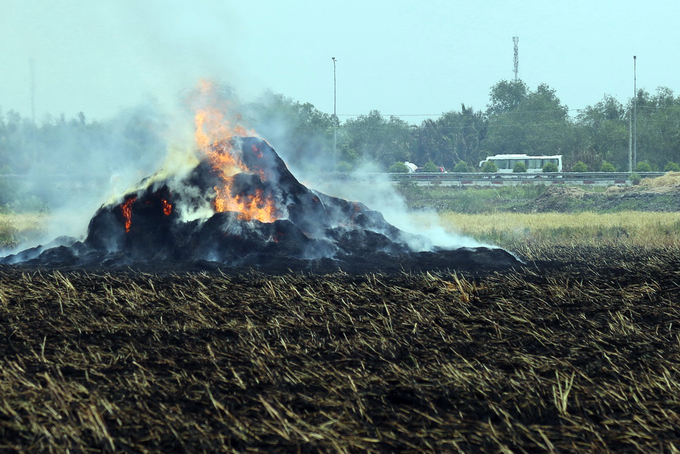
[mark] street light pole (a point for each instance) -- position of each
(634, 111)
(335, 116)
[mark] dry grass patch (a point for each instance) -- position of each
(670, 179)
(16, 228)
(652, 229)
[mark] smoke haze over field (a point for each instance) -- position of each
(101, 57)
(127, 65)
(378, 193)
(85, 165)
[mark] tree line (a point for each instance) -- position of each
(76, 146)
(517, 119)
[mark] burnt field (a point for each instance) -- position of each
(576, 350)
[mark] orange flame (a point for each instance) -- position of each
(247, 206)
(167, 207)
(213, 135)
(127, 212)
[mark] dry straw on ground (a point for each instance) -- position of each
(577, 351)
(670, 179)
(511, 230)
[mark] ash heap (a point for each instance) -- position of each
(238, 206)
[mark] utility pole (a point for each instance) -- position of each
(634, 111)
(630, 142)
(515, 41)
(335, 116)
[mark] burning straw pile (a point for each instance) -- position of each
(234, 203)
(557, 356)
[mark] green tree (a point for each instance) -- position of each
(550, 167)
(643, 166)
(603, 132)
(535, 123)
(607, 167)
(579, 167)
(506, 96)
(430, 167)
(671, 167)
(302, 134)
(461, 167)
(398, 167)
(79, 149)
(426, 141)
(520, 167)
(489, 167)
(464, 132)
(377, 139)
(658, 134)
(453, 137)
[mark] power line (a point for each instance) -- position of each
(514, 112)
(392, 115)
(440, 113)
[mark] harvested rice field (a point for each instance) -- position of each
(577, 350)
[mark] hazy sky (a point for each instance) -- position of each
(402, 57)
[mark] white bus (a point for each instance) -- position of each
(534, 164)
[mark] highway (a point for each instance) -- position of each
(88, 182)
(508, 179)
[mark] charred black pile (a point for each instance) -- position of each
(259, 216)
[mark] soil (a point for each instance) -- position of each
(577, 351)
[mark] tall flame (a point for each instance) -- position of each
(213, 135)
(248, 206)
(167, 207)
(127, 212)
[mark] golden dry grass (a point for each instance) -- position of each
(671, 179)
(15, 228)
(651, 229)
(633, 227)
(24, 221)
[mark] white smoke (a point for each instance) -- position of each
(80, 164)
(366, 183)
(378, 192)
(115, 164)
(165, 45)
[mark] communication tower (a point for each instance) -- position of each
(515, 41)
